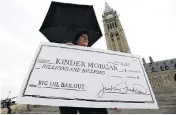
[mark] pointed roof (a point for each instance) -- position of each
(107, 8)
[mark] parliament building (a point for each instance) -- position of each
(162, 74)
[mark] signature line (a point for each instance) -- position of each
(124, 93)
(131, 77)
(117, 76)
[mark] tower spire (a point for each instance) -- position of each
(107, 7)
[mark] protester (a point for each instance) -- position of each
(81, 39)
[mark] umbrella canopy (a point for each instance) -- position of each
(63, 21)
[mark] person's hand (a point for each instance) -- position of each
(117, 109)
(69, 43)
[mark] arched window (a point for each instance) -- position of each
(111, 26)
(117, 34)
(166, 67)
(108, 26)
(115, 24)
(153, 69)
(161, 67)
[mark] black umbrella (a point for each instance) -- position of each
(63, 21)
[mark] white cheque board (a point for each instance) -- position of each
(62, 75)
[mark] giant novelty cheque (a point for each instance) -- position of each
(62, 75)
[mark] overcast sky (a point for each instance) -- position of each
(149, 26)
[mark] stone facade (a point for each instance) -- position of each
(162, 79)
(114, 33)
(162, 74)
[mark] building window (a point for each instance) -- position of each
(175, 65)
(175, 78)
(115, 24)
(153, 69)
(108, 26)
(117, 34)
(166, 67)
(172, 62)
(157, 64)
(162, 69)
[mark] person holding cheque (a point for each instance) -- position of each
(82, 39)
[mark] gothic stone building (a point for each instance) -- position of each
(162, 74)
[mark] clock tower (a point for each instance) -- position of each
(114, 33)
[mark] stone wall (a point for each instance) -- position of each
(166, 99)
(162, 79)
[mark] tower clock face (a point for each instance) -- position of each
(109, 16)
